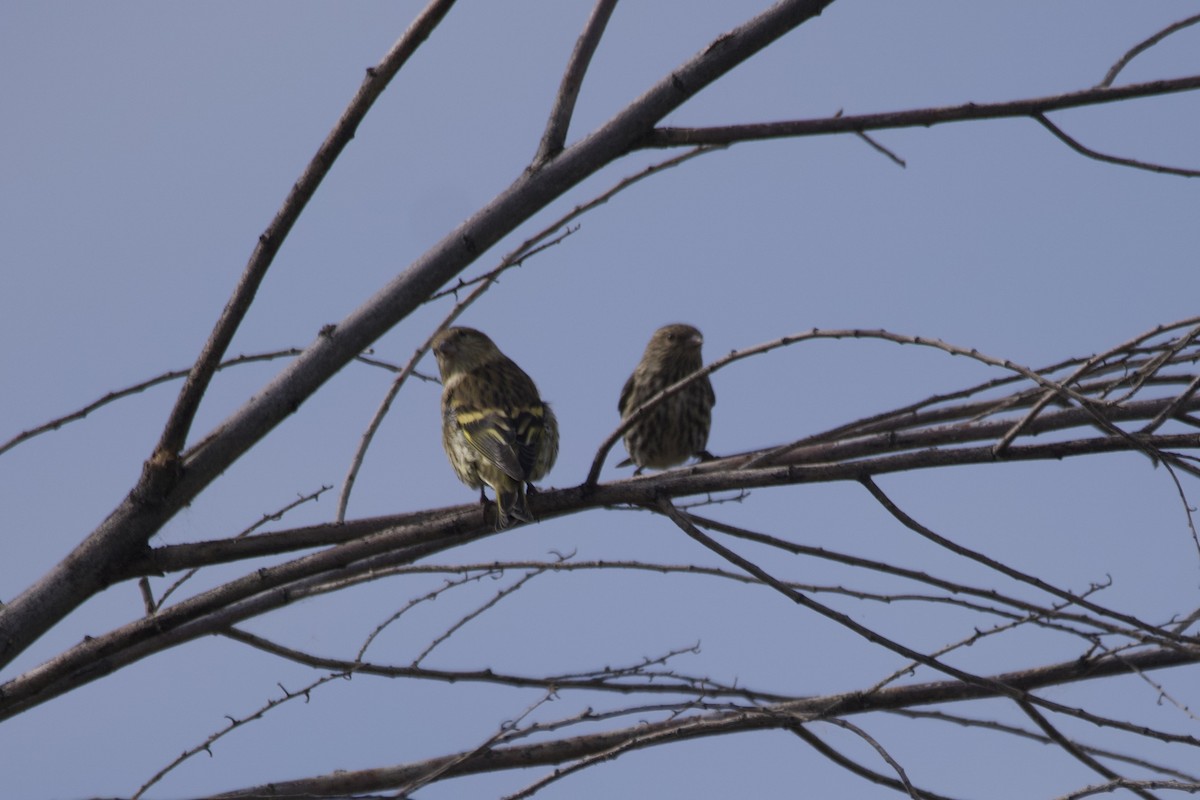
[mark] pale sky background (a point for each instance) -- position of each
(146, 145)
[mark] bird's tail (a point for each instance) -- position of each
(511, 505)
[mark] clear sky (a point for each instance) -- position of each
(146, 146)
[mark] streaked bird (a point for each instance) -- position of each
(496, 429)
(677, 428)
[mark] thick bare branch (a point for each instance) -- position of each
(879, 453)
(572, 81)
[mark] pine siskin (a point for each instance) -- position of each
(677, 428)
(495, 428)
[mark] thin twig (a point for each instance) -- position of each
(1142, 47)
(234, 724)
(1156, 631)
(1085, 368)
(854, 767)
(1023, 606)
(483, 747)
(500, 595)
(385, 405)
(468, 576)
(669, 510)
(1167, 353)
(1187, 507)
(880, 148)
(608, 679)
(1163, 694)
(136, 388)
(883, 753)
(267, 517)
(1162, 169)
(1024, 733)
(272, 517)
(969, 641)
(1132, 785)
(1173, 408)
(1073, 749)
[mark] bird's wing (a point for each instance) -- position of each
(623, 404)
(495, 435)
(530, 428)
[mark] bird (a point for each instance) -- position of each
(496, 429)
(677, 428)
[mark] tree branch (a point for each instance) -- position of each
(609, 680)
(180, 422)
(813, 741)
(129, 391)
(1040, 378)
(1090, 365)
(1073, 749)
(517, 257)
(1145, 45)
(572, 81)
(924, 117)
(273, 587)
(721, 723)
(837, 461)
(1124, 162)
(1155, 631)
(167, 486)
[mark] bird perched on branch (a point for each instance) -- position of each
(677, 428)
(496, 429)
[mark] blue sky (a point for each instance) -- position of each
(147, 146)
